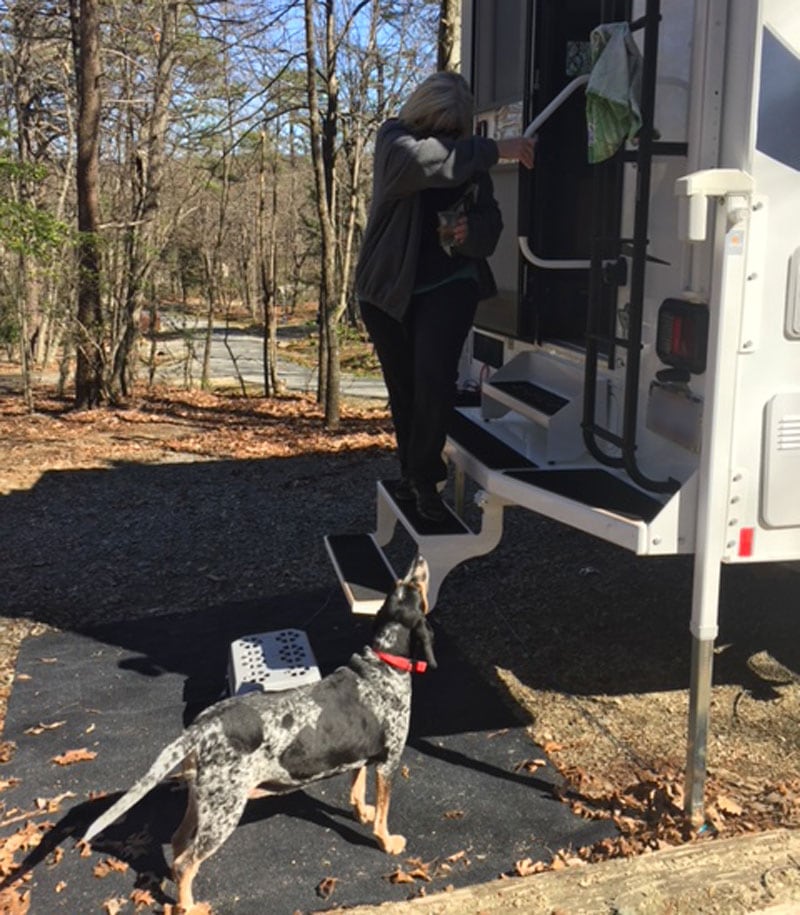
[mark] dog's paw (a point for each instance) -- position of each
(394, 845)
(365, 813)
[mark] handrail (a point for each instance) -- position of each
(531, 130)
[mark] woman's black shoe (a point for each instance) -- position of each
(404, 491)
(429, 503)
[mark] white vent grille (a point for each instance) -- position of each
(788, 433)
(271, 661)
(780, 494)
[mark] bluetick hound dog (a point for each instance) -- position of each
(278, 742)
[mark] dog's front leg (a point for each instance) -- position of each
(392, 845)
(365, 813)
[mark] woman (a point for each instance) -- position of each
(422, 269)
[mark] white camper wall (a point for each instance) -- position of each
(767, 430)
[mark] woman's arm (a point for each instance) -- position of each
(406, 164)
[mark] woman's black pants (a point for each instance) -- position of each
(419, 358)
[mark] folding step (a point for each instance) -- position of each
(444, 544)
(476, 439)
(527, 399)
(581, 494)
(546, 391)
(416, 525)
(594, 488)
(363, 571)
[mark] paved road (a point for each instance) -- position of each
(247, 351)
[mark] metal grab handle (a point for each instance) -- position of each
(531, 130)
(553, 106)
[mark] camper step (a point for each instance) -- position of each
(594, 488)
(476, 439)
(415, 524)
(364, 572)
(526, 398)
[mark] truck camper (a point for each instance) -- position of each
(637, 376)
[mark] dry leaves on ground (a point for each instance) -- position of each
(163, 423)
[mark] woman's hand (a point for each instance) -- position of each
(520, 149)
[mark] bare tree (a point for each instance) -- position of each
(89, 326)
(147, 178)
(267, 262)
(322, 129)
(448, 45)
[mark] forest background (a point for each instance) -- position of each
(211, 158)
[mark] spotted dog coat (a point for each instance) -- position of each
(356, 716)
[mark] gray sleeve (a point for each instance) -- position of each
(409, 164)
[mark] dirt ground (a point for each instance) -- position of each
(595, 656)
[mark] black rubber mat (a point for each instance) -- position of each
(467, 806)
(596, 488)
(480, 443)
(533, 395)
(362, 566)
(449, 525)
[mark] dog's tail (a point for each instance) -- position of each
(165, 762)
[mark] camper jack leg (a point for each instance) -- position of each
(699, 703)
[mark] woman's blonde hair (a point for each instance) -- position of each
(442, 105)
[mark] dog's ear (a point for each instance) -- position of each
(424, 637)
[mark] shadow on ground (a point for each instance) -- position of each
(150, 571)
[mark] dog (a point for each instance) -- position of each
(278, 742)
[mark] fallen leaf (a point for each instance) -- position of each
(114, 906)
(7, 748)
(48, 660)
(451, 859)
(14, 901)
(40, 728)
(61, 886)
(454, 814)
(421, 873)
(52, 804)
(530, 765)
(400, 876)
(326, 887)
(527, 866)
(551, 746)
(74, 756)
(142, 899)
(7, 783)
(729, 806)
(109, 866)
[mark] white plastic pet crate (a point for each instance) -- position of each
(271, 661)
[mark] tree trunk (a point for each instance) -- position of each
(89, 330)
(448, 45)
(149, 167)
(267, 259)
(323, 157)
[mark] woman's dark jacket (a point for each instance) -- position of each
(404, 165)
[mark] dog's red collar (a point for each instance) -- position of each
(404, 664)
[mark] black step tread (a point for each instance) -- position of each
(452, 524)
(484, 446)
(361, 566)
(541, 399)
(595, 488)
